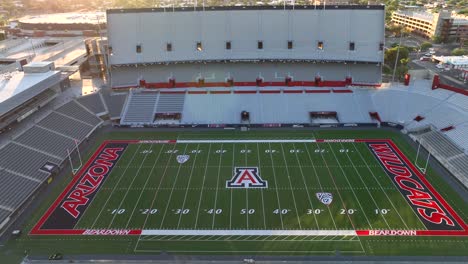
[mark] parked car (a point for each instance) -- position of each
(425, 58)
(440, 66)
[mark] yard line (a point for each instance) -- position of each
(168, 202)
(230, 209)
(336, 187)
(373, 175)
(261, 191)
(117, 184)
(290, 184)
(246, 189)
(157, 190)
(203, 184)
(360, 177)
(305, 185)
(276, 185)
(146, 182)
(188, 184)
(131, 184)
(217, 186)
(318, 180)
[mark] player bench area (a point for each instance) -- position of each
(263, 188)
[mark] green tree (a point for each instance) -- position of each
(437, 39)
(390, 56)
(425, 46)
(459, 52)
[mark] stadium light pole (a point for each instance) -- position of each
(396, 58)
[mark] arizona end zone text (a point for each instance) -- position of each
(71, 204)
(438, 217)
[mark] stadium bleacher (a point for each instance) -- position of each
(140, 108)
(94, 102)
(46, 142)
(115, 103)
(25, 160)
(14, 189)
(50, 142)
(66, 125)
(170, 103)
(73, 110)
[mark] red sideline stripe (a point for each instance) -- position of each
(318, 91)
(172, 92)
(366, 84)
(84, 232)
(342, 91)
(420, 233)
(429, 186)
(442, 232)
(245, 92)
(197, 92)
(270, 91)
(245, 83)
(69, 186)
(220, 92)
(292, 91)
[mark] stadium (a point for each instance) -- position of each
(247, 131)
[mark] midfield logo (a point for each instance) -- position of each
(325, 198)
(182, 158)
(246, 177)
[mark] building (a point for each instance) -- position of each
(243, 44)
(442, 24)
(24, 92)
(62, 25)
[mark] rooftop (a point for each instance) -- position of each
(14, 83)
(66, 18)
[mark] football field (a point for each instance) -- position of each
(326, 193)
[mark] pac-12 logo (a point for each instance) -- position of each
(324, 197)
(246, 177)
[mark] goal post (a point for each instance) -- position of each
(74, 157)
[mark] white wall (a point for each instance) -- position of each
(335, 27)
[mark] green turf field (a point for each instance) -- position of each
(150, 189)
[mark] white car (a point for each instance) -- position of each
(440, 66)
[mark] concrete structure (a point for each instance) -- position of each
(443, 24)
(245, 43)
(61, 25)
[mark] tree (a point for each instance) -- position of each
(437, 39)
(459, 52)
(390, 56)
(425, 46)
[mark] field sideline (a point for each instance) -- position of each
(165, 203)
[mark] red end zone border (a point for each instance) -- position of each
(41, 229)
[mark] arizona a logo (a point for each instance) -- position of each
(246, 177)
(325, 198)
(182, 158)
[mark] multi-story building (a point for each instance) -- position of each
(442, 24)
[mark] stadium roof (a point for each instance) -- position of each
(66, 18)
(18, 87)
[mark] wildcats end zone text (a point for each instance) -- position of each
(430, 207)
